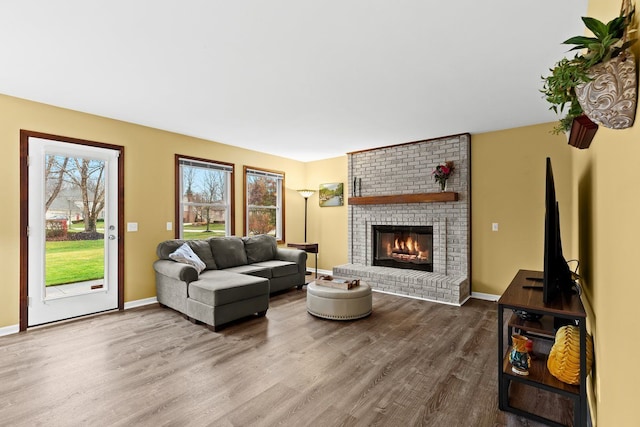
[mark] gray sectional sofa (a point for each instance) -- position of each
(239, 276)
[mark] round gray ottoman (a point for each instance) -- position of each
(339, 304)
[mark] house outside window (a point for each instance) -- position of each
(204, 198)
(264, 202)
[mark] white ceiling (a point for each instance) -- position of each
(303, 79)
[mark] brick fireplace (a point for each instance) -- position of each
(391, 188)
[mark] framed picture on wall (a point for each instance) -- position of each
(331, 194)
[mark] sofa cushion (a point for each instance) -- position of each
(166, 248)
(203, 250)
(279, 268)
(228, 251)
(217, 287)
(185, 255)
(260, 248)
(252, 269)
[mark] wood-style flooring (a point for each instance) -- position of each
(411, 363)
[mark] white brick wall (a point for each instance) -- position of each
(406, 169)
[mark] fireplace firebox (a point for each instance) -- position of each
(401, 246)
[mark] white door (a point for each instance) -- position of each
(72, 231)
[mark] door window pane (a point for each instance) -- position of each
(74, 225)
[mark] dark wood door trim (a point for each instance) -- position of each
(24, 214)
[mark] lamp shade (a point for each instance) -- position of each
(306, 193)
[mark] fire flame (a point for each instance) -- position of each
(408, 248)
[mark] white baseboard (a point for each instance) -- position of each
(8, 330)
(313, 271)
(486, 297)
(140, 303)
(14, 329)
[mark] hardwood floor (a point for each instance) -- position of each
(411, 363)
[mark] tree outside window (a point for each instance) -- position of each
(79, 180)
(204, 198)
(264, 196)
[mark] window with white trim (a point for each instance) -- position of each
(204, 198)
(264, 202)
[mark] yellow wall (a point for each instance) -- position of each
(328, 225)
(606, 181)
(508, 188)
(149, 187)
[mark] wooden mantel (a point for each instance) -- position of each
(444, 196)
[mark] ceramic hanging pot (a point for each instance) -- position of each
(609, 99)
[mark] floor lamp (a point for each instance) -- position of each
(306, 194)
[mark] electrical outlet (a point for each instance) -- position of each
(494, 226)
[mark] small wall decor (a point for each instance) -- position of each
(331, 194)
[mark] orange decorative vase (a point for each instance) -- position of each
(519, 357)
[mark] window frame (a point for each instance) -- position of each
(280, 207)
(230, 191)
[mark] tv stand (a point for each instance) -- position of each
(513, 389)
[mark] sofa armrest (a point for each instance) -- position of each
(293, 255)
(176, 270)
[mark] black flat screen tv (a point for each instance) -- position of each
(557, 276)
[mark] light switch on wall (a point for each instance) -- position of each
(494, 226)
(132, 226)
(169, 226)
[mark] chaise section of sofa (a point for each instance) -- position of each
(239, 276)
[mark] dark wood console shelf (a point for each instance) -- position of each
(444, 196)
(569, 308)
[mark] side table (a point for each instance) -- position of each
(311, 248)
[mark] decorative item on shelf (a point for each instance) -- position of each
(564, 358)
(334, 282)
(306, 194)
(519, 357)
(600, 82)
(442, 173)
(528, 316)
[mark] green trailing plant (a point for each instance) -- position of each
(559, 90)
(609, 41)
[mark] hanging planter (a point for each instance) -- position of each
(598, 84)
(610, 97)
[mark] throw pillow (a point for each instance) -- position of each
(203, 250)
(260, 248)
(185, 255)
(228, 251)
